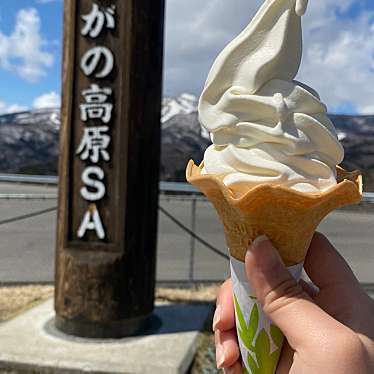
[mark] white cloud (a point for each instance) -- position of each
(22, 52)
(196, 32)
(338, 56)
(48, 100)
(13, 108)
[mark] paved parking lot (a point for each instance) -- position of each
(27, 246)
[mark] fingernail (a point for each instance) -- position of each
(217, 317)
(264, 256)
(258, 240)
(220, 356)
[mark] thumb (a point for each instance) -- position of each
(283, 299)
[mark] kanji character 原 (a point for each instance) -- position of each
(94, 144)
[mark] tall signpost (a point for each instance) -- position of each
(109, 165)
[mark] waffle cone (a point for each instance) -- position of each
(288, 217)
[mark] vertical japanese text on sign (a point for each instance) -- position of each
(96, 63)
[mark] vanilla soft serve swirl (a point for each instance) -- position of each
(265, 126)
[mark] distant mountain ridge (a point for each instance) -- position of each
(29, 140)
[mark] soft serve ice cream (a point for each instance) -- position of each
(269, 132)
(265, 126)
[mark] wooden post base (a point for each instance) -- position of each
(110, 330)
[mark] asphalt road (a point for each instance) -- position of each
(27, 246)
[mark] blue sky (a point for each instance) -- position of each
(14, 89)
(355, 9)
(338, 43)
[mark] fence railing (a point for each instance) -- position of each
(165, 187)
(53, 180)
(168, 190)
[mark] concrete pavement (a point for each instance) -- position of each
(31, 343)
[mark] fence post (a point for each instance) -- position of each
(192, 238)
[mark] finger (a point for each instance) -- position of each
(227, 348)
(286, 359)
(224, 316)
(326, 267)
(235, 369)
(283, 299)
(310, 289)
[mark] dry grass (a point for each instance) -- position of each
(205, 359)
(198, 294)
(17, 299)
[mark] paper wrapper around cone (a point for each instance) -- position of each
(260, 341)
(286, 216)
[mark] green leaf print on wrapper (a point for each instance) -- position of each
(247, 333)
(259, 358)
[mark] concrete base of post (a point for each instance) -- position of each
(31, 343)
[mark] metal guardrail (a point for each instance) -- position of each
(178, 187)
(53, 180)
(368, 197)
(164, 186)
(32, 179)
(27, 196)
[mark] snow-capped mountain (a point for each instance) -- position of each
(184, 104)
(29, 140)
(50, 117)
